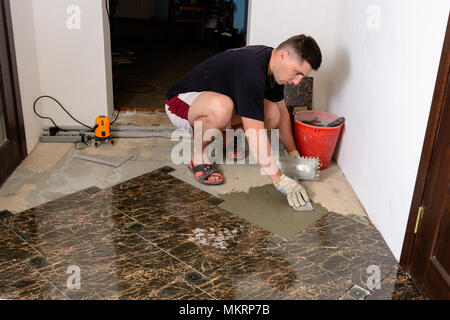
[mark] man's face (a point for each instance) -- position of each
(289, 70)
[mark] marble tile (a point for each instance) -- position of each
(156, 193)
(122, 266)
(268, 275)
(60, 225)
(156, 237)
(342, 246)
(180, 290)
(13, 249)
(205, 243)
(21, 282)
(396, 286)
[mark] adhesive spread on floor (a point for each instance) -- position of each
(267, 207)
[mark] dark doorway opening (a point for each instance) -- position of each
(155, 42)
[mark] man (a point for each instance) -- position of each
(244, 88)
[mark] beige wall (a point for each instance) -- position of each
(27, 66)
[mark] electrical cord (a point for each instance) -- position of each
(48, 118)
(41, 97)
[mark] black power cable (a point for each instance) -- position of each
(42, 117)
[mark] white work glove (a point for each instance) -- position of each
(296, 194)
(294, 154)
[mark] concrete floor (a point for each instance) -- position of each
(51, 171)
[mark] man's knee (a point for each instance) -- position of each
(218, 108)
(222, 108)
(271, 115)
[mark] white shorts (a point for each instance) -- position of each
(177, 110)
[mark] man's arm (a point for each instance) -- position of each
(285, 127)
(295, 193)
(253, 130)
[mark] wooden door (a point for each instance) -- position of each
(426, 252)
(12, 133)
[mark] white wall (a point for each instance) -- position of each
(72, 62)
(272, 22)
(27, 67)
(71, 65)
(382, 80)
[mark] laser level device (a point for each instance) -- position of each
(102, 130)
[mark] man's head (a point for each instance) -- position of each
(294, 59)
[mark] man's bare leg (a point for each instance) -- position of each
(214, 111)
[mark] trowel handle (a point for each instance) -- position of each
(336, 122)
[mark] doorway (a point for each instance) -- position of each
(155, 42)
(12, 131)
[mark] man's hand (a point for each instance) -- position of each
(296, 194)
(294, 154)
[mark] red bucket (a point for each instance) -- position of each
(312, 138)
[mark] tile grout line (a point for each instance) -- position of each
(191, 285)
(332, 273)
(178, 277)
(24, 262)
(51, 283)
(340, 277)
(163, 250)
(384, 278)
(11, 230)
(155, 245)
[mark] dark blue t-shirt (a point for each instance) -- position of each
(241, 74)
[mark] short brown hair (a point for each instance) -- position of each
(306, 48)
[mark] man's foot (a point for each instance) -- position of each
(235, 151)
(206, 174)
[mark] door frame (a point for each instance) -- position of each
(13, 79)
(427, 151)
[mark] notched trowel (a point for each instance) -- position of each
(303, 168)
(307, 207)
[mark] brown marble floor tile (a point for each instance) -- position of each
(343, 247)
(208, 243)
(155, 197)
(396, 286)
(55, 228)
(156, 190)
(13, 249)
(267, 275)
(180, 290)
(122, 265)
(21, 282)
(141, 238)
